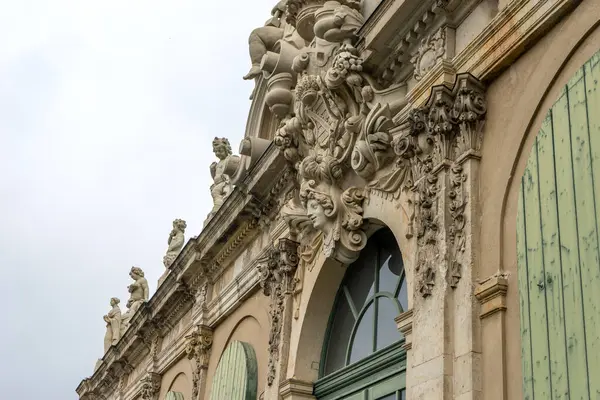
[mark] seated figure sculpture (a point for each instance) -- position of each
(263, 39)
(139, 289)
(140, 293)
(113, 324)
(221, 172)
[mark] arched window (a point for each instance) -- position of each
(362, 335)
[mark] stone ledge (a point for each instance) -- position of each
(491, 293)
(404, 322)
(293, 389)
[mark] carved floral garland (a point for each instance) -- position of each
(277, 269)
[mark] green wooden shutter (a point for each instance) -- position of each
(558, 247)
(236, 374)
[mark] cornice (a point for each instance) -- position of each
(176, 295)
(250, 200)
(502, 41)
(241, 287)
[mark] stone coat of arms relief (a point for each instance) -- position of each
(348, 139)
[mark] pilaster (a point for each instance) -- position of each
(491, 293)
(277, 269)
(445, 135)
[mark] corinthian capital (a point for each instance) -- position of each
(278, 266)
(150, 386)
(199, 344)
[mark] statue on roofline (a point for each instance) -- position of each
(221, 173)
(176, 241)
(113, 324)
(263, 39)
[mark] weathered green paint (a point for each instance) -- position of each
(378, 375)
(174, 396)
(236, 374)
(558, 248)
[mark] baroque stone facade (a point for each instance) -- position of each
(365, 115)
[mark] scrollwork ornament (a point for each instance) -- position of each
(469, 111)
(150, 386)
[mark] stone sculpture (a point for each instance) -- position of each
(176, 241)
(263, 39)
(139, 289)
(221, 172)
(140, 293)
(113, 324)
(126, 317)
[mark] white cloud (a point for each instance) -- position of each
(107, 113)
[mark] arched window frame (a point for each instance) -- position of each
(384, 366)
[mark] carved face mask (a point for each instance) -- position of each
(316, 213)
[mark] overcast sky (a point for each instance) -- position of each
(107, 113)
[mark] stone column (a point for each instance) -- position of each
(277, 269)
(198, 348)
(468, 113)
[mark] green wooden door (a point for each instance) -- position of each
(558, 247)
(174, 396)
(236, 374)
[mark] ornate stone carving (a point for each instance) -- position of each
(340, 127)
(150, 386)
(441, 136)
(336, 21)
(198, 347)
(302, 15)
(457, 202)
(277, 269)
(140, 292)
(427, 232)
(113, 325)
(176, 241)
(431, 50)
(221, 172)
(263, 39)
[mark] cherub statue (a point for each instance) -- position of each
(113, 324)
(140, 292)
(221, 172)
(263, 39)
(176, 241)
